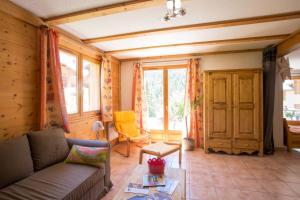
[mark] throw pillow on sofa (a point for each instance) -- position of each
(48, 147)
(15, 159)
(93, 156)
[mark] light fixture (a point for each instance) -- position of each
(174, 9)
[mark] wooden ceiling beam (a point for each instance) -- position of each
(191, 55)
(205, 43)
(201, 26)
(104, 10)
(289, 44)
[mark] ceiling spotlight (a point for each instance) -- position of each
(174, 9)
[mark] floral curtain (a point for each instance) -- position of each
(138, 102)
(53, 112)
(194, 90)
(106, 90)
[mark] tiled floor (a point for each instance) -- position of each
(221, 177)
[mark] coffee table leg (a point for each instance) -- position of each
(141, 157)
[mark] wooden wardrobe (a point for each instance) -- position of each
(233, 120)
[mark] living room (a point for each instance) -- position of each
(150, 99)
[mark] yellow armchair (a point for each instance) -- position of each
(126, 126)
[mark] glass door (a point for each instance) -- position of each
(176, 90)
(164, 94)
(154, 94)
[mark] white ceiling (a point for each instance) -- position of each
(51, 8)
(198, 11)
(254, 30)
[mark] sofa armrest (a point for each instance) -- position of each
(96, 143)
(87, 143)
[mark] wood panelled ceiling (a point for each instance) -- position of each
(129, 29)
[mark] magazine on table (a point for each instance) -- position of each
(170, 186)
(153, 180)
(136, 188)
(155, 196)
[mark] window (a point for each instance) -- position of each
(81, 81)
(69, 70)
(91, 86)
(291, 99)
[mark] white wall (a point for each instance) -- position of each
(208, 62)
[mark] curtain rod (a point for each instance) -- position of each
(159, 61)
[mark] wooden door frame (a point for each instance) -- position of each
(165, 68)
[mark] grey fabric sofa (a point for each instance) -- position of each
(32, 167)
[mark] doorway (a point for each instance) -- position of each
(164, 88)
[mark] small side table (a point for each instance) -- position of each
(161, 149)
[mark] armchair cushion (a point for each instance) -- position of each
(125, 123)
(129, 129)
(124, 116)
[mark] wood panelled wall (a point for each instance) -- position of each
(115, 66)
(19, 82)
(18, 77)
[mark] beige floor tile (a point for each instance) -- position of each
(202, 193)
(248, 185)
(295, 187)
(201, 180)
(278, 187)
(230, 194)
(256, 196)
(222, 181)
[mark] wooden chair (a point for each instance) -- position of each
(126, 126)
(292, 135)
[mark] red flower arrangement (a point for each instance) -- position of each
(156, 165)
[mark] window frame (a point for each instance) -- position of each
(294, 122)
(92, 112)
(80, 57)
(74, 115)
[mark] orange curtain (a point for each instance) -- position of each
(53, 112)
(106, 91)
(138, 103)
(194, 97)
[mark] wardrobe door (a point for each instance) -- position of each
(219, 108)
(246, 108)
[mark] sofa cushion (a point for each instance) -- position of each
(59, 181)
(93, 156)
(15, 160)
(48, 147)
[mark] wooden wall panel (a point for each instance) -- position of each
(115, 65)
(82, 129)
(19, 83)
(18, 77)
